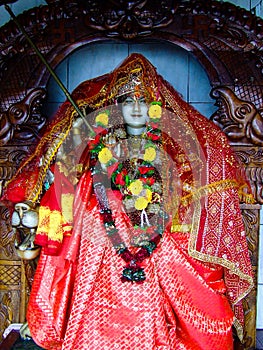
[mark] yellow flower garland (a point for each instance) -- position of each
(141, 203)
(148, 195)
(102, 119)
(136, 187)
(142, 196)
(105, 155)
(155, 111)
(150, 154)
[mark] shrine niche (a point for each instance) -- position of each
(225, 39)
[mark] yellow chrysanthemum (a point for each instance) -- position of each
(141, 203)
(105, 155)
(150, 154)
(155, 111)
(148, 194)
(136, 187)
(102, 118)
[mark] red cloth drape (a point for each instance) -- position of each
(181, 305)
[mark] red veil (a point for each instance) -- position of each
(214, 222)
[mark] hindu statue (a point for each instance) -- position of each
(143, 245)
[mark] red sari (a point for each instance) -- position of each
(181, 305)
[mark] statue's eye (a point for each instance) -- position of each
(128, 100)
(141, 100)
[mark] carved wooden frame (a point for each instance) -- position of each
(225, 39)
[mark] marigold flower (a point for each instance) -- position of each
(148, 194)
(150, 154)
(136, 187)
(141, 203)
(155, 111)
(105, 155)
(102, 119)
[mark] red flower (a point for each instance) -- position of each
(148, 180)
(127, 256)
(92, 144)
(141, 255)
(151, 229)
(152, 136)
(119, 180)
(107, 217)
(154, 125)
(99, 130)
(144, 169)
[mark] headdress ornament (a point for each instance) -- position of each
(136, 74)
(133, 84)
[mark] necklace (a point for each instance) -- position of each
(134, 146)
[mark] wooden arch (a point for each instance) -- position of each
(225, 39)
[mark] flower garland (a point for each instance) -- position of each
(140, 191)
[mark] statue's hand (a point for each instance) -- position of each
(77, 123)
(111, 141)
(25, 332)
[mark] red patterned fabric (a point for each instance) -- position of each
(180, 306)
(198, 275)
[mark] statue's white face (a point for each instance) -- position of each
(135, 111)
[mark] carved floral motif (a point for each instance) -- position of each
(250, 218)
(7, 235)
(23, 119)
(255, 176)
(252, 159)
(250, 156)
(240, 120)
(129, 19)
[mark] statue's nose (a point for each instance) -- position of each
(21, 212)
(136, 106)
